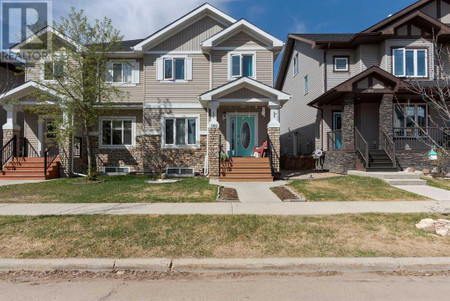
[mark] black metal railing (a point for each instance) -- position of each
(388, 145)
(8, 151)
(413, 138)
(27, 150)
(50, 156)
(78, 147)
(274, 157)
(334, 140)
(362, 147)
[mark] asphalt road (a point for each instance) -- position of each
(341, 286)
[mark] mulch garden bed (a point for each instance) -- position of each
(228, 194)
(284, 194)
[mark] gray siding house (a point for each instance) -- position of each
(351, 93)
(201, 82)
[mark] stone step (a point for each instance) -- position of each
(408, 182)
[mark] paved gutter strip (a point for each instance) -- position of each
(229, 265)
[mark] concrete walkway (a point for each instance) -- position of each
(309, 208)
(253, 192)
(428, 191)
(16, 182)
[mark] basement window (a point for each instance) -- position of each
(180, 171)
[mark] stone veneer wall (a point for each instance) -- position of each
(213, 154)
(348, 124)
(419, 160)
(274, 135)
(340, 161)
(386, 122)
(155, 159)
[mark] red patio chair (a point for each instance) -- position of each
(261, 150)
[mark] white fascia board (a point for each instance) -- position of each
(173, 106)
(30, 84)
(276, 43)
(281, 96)
(52, 30)
(193, 14)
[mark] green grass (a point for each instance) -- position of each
(443, 184)
(197, 236)
(118, 189)
(351, 188)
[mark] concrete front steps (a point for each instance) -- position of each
(29, 169)
(392, 178)
(246, 169)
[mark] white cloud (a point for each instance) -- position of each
(299, 27)
(134, 18)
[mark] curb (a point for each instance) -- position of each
(229, 265)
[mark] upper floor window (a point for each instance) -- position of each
(117, 132)
(306, 85)
(341, 64)
(53, 70)
(242, 65)
(410, 62)
(174, 69)
(295, 65)
(123, 72)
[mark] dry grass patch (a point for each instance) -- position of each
(364, 235)
(439, 183)
(351, 188)
(120, 189)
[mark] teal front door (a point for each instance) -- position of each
(337, 128)
(242, 136)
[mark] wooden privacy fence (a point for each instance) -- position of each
(297, 163)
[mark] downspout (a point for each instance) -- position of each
(206, 166)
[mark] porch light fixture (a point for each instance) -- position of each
(263, 111)
(224, 116)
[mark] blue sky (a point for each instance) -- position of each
(139, 18)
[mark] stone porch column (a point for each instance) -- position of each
(11, 128)
(65, 149)
(386, 122)
(348, 124)
(273, 132)
(213, 141)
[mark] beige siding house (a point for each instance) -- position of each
(200, 87)
(356, 105)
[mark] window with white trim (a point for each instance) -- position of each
(117, 132)
(123, 72)
(242, 65)
(295, 65)
(409, 119)
(53, 70)
(181, 132)
(174, 69)
(410, 62)
(341, 64)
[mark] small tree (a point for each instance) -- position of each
(436, 94)
(75, 77)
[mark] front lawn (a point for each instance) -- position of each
(351, 188)
(438, 183)
(118, 189)
(358, 235)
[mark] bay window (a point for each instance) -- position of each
(410, 119)
(410, 62)
(242, 65)
(180, 132)
(117, 132)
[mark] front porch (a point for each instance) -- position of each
(243, 115)
(370, 124)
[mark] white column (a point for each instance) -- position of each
(213, 122)
(274, 115)
(11, 118)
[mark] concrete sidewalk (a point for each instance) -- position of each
(253, 192)
(428, 191)
(227, 264)
(308, 208)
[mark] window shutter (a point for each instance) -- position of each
(188, 68)
(109, 72)
(159, 69)
(135, 73)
